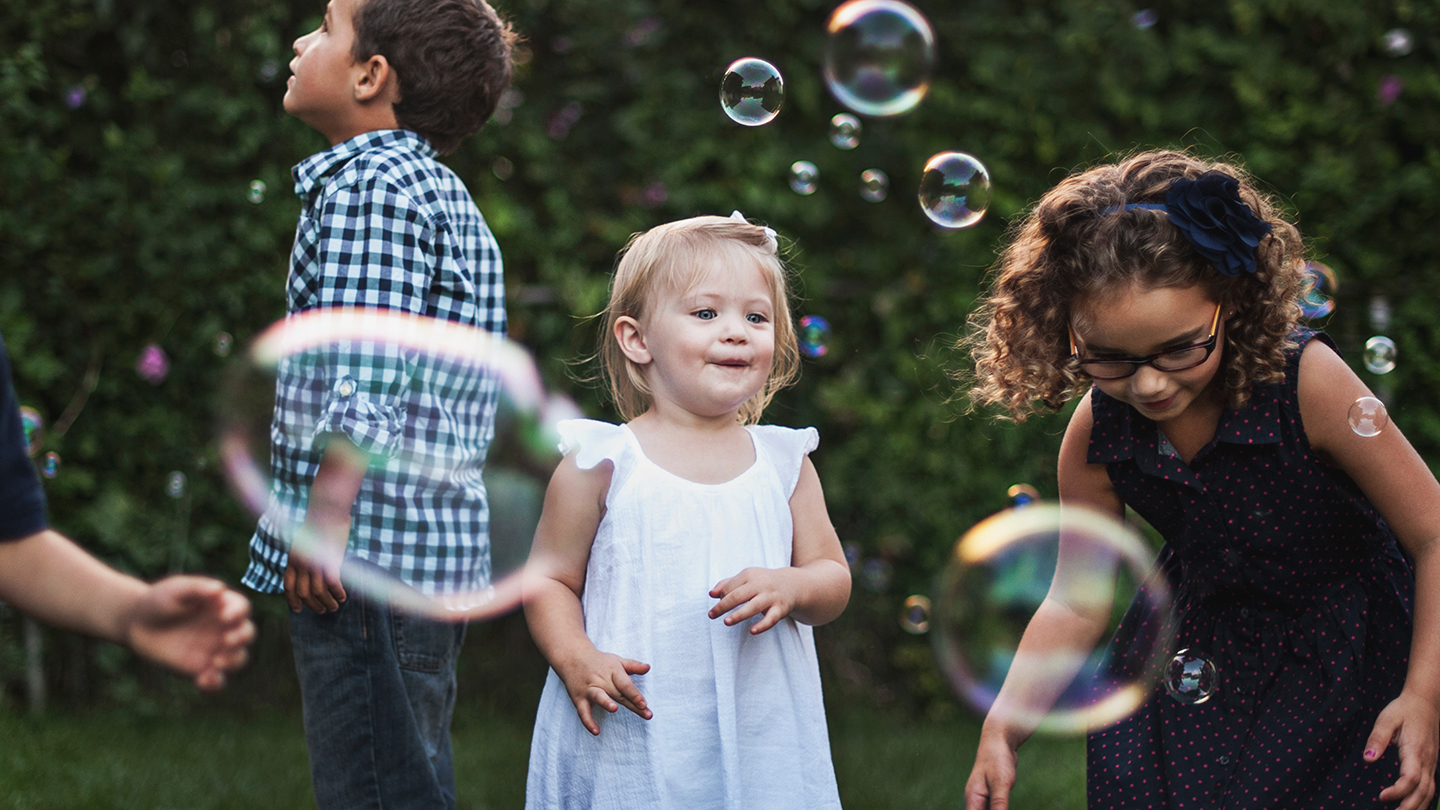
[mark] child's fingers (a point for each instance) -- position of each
(629, 694)
(633, 667)
(582, 708)
(751, 608)
(720, 587)
(733, 599)
(1409, 785)
(291, 598)
(1381, 736)
(772, 618)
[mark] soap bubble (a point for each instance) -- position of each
(1317, 287)
(1398, 42)
(874, 185)
(50, 464)
(1000, 573)
(34, 426)
(1379, 355)
(915, 615)
(268, 70)
(1022, 495)
(176, 484)
(75, 96)
(256, 192)
(751, 92)
(1368, 417)
(1389, 89)
(845, 131)
(419, 396)
(814, 336)
(878, 56)
(802, 177)
(152, 364)
(954, 190)
(224, 342)
(1191, 678)
(853, 553)
(1144, 19)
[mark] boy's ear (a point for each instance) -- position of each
(632, 343)
(376, 80)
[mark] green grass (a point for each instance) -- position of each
(114, 760)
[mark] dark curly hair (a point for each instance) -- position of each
(451, 57)
(1080, 240)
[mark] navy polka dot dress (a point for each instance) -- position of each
(1290, 582)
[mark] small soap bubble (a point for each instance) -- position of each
(1144, 19)
(845, 131)
(1317, 288)
(751, 92)
(875, 574)
(1191, 678)
(1397, 42)
(874, 185)
(999, 574)
(50, 464)
(1389, 89)
(502, 168)
(814, 336)
(879, 55)
(153, 364)
(256, 192)
(223, 344)
(853, 553)
(803, 175)
(954, 190)
(75, 96)
(175, 485)
(268, 70)
(915, 615)
(1022, 495)
(1368, 417)
(1379, 355)
(34, 426)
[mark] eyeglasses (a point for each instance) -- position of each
(1173, 360)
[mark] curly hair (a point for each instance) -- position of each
(1080, 241)
(672, 258)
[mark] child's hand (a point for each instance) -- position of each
(604, 679)
(194, 625)
(993, 775)
(1413, 723)
(752, 592)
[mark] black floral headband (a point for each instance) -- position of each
(1209, 212)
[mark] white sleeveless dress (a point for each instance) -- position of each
(738, 723)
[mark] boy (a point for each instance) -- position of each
(383, 225)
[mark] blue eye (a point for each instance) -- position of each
(755, 317)
(705, 314)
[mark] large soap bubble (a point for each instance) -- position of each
(1068, 559)
(33, 425)
(954, 190)
(879, 56)
(441, 412)
(751, 92)
(1318, 285)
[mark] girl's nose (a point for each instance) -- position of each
(734, 331)
(1147, 382)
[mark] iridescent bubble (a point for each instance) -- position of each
(268, 70)
(814, 336)
(1074, 559)
(75, 96)
(256, 192)
(915, 615)
(1022, 495)
(176, 484)
(1379, 355)
(1317, 288)
(50, 464)
(1368, 417)
(381, 365)
(223, 343)
(1191, 678)
(845, 131)
(34, 426)
(875, 574)
(1397, 42)
(803, 175)
(874, 185)
(954, 190)
(751, 92)
(152, 364)
(502, 168)
(878, 56)
(1144, 19)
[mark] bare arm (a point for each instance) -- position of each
(312, 569)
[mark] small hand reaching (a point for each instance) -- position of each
(993, 775)
(1413, 724)
(752, 592)
(603, 679)
(194, 625)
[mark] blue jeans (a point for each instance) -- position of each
(378, 690)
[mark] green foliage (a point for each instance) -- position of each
(125, 222)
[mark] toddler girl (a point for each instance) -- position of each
(682, 557)
(1167, 286)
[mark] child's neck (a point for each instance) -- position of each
(1194, 428)
(703, 449)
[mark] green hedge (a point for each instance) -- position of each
(125, 221)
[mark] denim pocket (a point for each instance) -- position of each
(424, 645)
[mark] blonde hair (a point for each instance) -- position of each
(671, 258)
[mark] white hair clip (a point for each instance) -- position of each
(770, 235)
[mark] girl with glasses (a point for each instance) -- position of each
(1162, 291)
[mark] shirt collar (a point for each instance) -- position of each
(1119, 432)
(311, 173)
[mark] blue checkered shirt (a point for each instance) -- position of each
(384, 225)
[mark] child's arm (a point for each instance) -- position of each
(816, 586)
(312, 569)
(1401, 487)
(1058, 624)
(554, 581)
